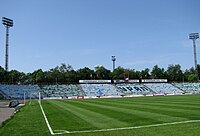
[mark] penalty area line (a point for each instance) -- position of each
(60, 132)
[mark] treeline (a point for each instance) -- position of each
(66, 74)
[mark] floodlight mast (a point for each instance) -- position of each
(7, 23)
(193, 37)
(113, 59)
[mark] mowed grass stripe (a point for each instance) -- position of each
(175, 111)
(29, 121)
(132, 117)
(194, 104)
(95, 114)
(97, 120)
(169, 99)
(183, 104)
(125, 113)
(58, 116)
(132, 114)
(179, 108)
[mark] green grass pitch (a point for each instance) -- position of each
(143, 116)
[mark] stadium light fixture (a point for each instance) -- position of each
(113, 59)
(7, 23)
(193, 37)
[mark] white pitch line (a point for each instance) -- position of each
(125, 128)
(60, 132)
(47, 122)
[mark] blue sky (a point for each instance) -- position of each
(85, 33)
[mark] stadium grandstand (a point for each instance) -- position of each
(100, 90)
(61, 91)
(188, 88)
(135, 89)
(2, 97)
(163, 88)
(11, 91)
(97, 89)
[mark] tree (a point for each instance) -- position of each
(118, 73)
(36, 77)
(15, 76)
(102, 73)
(157, 72)
(66, 74)
(145, 74)
(85, 73)
(2, 74)
(65, 68)
(190, 75)
(192, 78)
(134, 74)
(40, 76)
(54, 75)
(174, 73)
(198, 69)
(70, 77)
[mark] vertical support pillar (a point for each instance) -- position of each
(113, 59)
(195, 60)
(193, 37)
(6, 54)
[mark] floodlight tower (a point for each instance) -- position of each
(7, 23)
(113, 59)
(193, 37)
